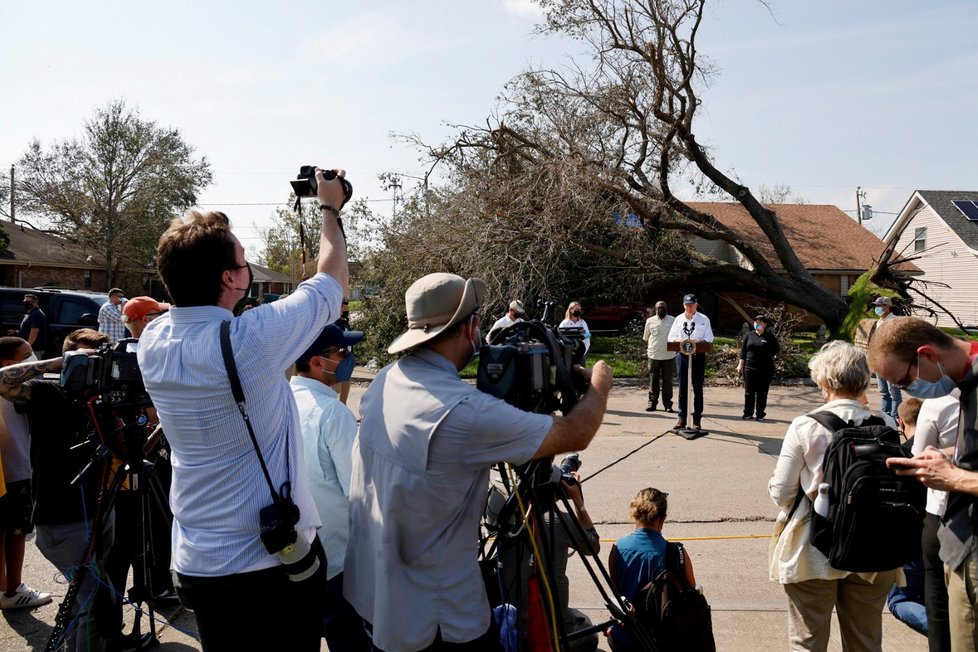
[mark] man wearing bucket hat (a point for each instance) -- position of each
(421, 472)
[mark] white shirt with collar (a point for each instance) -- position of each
(696, 328)
(937, 425)
(501, 323)
(218, 487)
(328, 431)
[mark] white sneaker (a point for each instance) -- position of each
(24, 598)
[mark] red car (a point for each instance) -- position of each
(614, 318)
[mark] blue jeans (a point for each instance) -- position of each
(891, 396)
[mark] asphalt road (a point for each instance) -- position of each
(718, 506)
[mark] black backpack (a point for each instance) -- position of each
(677, 615)
(875, 516)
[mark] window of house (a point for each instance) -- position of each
(920, 239)
(844, 285)
(88, 279)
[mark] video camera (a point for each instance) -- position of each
(110, 372)
(530, 365)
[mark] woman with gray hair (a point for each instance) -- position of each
(813, 586)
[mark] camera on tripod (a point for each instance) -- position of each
(530, 365)
(110, 372)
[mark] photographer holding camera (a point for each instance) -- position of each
(421, 472)
(232, 544)
(63, 512)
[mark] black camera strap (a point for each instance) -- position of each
(239, 398)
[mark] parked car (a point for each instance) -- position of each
(66, 311)
(615, 318)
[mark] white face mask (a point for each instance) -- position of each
(30, 358)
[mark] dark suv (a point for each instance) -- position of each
(66, 311)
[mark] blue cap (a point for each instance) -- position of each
(689, 298)
(332, 335)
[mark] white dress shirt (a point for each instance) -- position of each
(937, 425)
(696, 328)
(218, 486)
(328, 431)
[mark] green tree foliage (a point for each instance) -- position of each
(115, 189)
(292, 240)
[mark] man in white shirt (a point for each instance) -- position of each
(328, 431)
(515, 314)
(221, 564)
(662, 361)
(695, 326)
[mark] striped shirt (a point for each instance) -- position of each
(110, 321)
(218, 487)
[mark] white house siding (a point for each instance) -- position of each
(945, 260)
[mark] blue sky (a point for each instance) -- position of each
(822, 96)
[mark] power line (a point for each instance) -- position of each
(278, 203)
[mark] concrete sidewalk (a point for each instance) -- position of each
(719, 507)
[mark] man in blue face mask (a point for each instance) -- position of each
(328, 431)
(926, 362)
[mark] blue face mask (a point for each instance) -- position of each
(758, 327)
(879, 311)
(924, 389)
(344, 370)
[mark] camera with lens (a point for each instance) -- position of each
(111, 372)
(570, 464)
(304, 185)
(280, 538)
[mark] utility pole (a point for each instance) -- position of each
(13, 218)
(860, 195)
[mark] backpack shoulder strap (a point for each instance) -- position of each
(675, 556)
(830, 421)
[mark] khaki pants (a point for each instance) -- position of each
(961, 604)
(859, 607)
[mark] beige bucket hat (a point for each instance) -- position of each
(436, 302)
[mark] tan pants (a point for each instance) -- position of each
(858, 604)
(961, 605)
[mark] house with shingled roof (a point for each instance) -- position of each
(940, 228)
(35, 258)
(829, 243)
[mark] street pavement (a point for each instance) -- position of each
(718, 507)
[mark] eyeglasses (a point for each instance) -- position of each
(906, 376)
(333, 351)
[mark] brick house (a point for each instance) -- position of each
(829, 243)
(34, 258)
